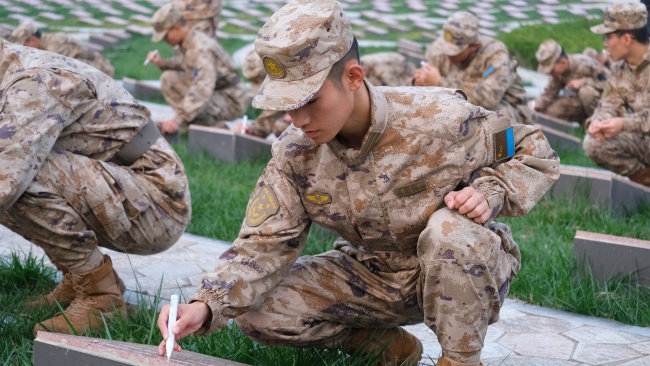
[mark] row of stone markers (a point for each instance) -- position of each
(247, 16)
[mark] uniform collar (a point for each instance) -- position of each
(188, 40)
(378, 122)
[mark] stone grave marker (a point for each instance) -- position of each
(608, 255)
(626, 196)
(225, 144)
(553, 122)
(560, 140)
(53, 349)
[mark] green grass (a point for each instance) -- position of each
(551, 277)
(573, 35)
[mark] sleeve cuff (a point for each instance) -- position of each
(629, 124)
(217, 321)
(494, 199)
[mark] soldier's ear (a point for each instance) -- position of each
(354, 73)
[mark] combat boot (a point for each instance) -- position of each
(64, 292)
(97, 291)
(444, 361)
(642, 177)
(393, 346)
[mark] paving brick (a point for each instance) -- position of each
(555, 346)
(592, 335)
(608, 255)
(560, 140)
(52, 349)
(536, 324)
(603, 354)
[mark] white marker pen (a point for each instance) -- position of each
(173, 310)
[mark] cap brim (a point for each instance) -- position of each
(545, 69)
(450, 49)
(158, 36)
(602, 29)
(279, 95)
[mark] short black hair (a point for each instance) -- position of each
(640, 35)
(37, 34)
(336, 72)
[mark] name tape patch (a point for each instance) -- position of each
(504, 144)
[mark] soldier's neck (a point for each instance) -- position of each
(636, 54)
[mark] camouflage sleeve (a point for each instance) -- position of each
(204, 80)
(489, 89)
(31, 119)
(271, 239)
(611, 104)
(551, 92)
(512, 165)
(173, 63)
(593, 74)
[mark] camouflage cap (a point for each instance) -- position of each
(163, 20)
(459, 31)
(547, 55)
(298, 46)
(622, 16)
(21, 34)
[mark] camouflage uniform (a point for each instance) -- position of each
(62, 186)
(202, 15)
(488, 77)
(559, 101)
(627, 96)
(268, 122)
(403, 257)
(64, 45)
(388, 69)
(202, 84)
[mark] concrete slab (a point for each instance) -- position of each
(249, 147)
(140, 89)
(576, 180)
(556, 123)
(215, 142)
(53, 349)
(626, 196)
(560, 140)
(607, 256)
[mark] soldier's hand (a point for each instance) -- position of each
(427, 75)
(469, 202)
(190, 318)
(606, 128)
(574, 84)
(154, 58)
(169, 125)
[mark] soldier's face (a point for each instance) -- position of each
(616, 45)
(461, 57)
(323, 117)
(560, 67)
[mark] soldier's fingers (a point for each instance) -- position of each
(470, 204)
(163, 317)
(162, 348)
(450, 199)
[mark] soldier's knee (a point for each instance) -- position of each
(591, 146)
(450, 235)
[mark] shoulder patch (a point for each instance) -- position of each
(504, 144)
(263, 206)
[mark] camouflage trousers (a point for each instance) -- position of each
(269, 122)
(74, 205)
(225, 105)
(575, 108)
(455, 281)
(626, 154)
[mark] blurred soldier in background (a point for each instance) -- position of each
(201, 83)
(618, 133)
(388, 69)
(202, 15)
(28, 35)
(481, 66)
(576, 83)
